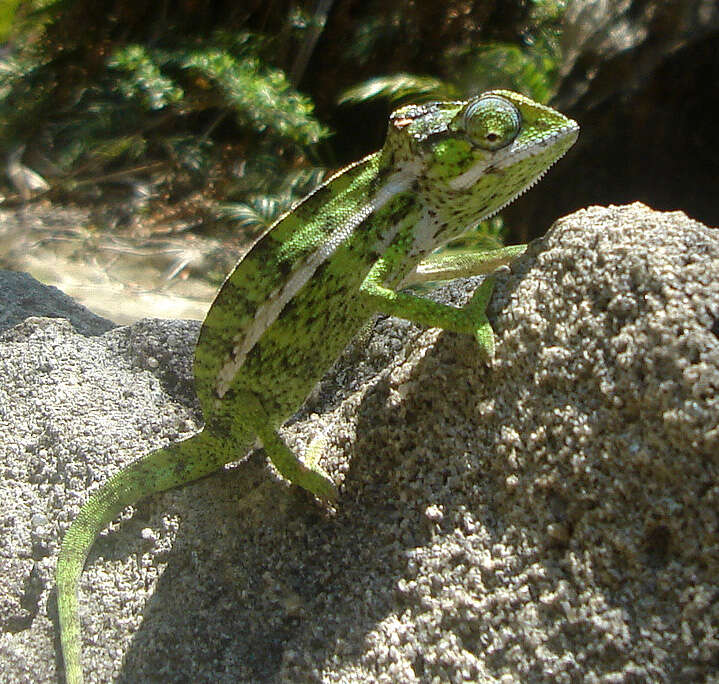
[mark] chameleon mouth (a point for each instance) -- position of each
(515, 153)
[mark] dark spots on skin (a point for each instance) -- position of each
(373, 255)
(321, 270)
(262, 250)
(397, 213)
(288, 309)
(285, 267)
(321, 192)
(439, 231)
(382, 177)
(715, 327)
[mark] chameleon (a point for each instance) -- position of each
(316, 277)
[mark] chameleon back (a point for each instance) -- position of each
(286, 311)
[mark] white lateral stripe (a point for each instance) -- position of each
(469, 177)
(268, 312)
(422, 234)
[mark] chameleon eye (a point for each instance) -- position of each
(492, 122)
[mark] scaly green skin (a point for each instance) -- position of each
(314, 279)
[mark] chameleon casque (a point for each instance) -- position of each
(341, 255)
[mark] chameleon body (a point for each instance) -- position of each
(317, 276)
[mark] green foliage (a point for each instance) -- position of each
(201, 90)
(260, 209)
(259, 96)
(512, 67)
(398, 88)
(8, 8)
(529, 67)
(231, 80)
(141, 78)
(185, 101)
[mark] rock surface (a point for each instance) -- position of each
(553, 519)
(23, 296)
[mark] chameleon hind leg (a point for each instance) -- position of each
(309, 476)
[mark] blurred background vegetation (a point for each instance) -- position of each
(230, 111)
(146, 145)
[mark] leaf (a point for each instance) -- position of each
(397, 87)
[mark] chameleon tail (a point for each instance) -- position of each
(157, 471)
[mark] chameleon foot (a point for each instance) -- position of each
(309, 476)
(482, 329)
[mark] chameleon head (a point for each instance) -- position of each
(474, 157)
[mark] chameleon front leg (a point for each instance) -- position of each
(471, 320)
(308, 476)
(447, 265)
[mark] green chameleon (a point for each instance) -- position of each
(317, 276)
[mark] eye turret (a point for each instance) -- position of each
(492, 122)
